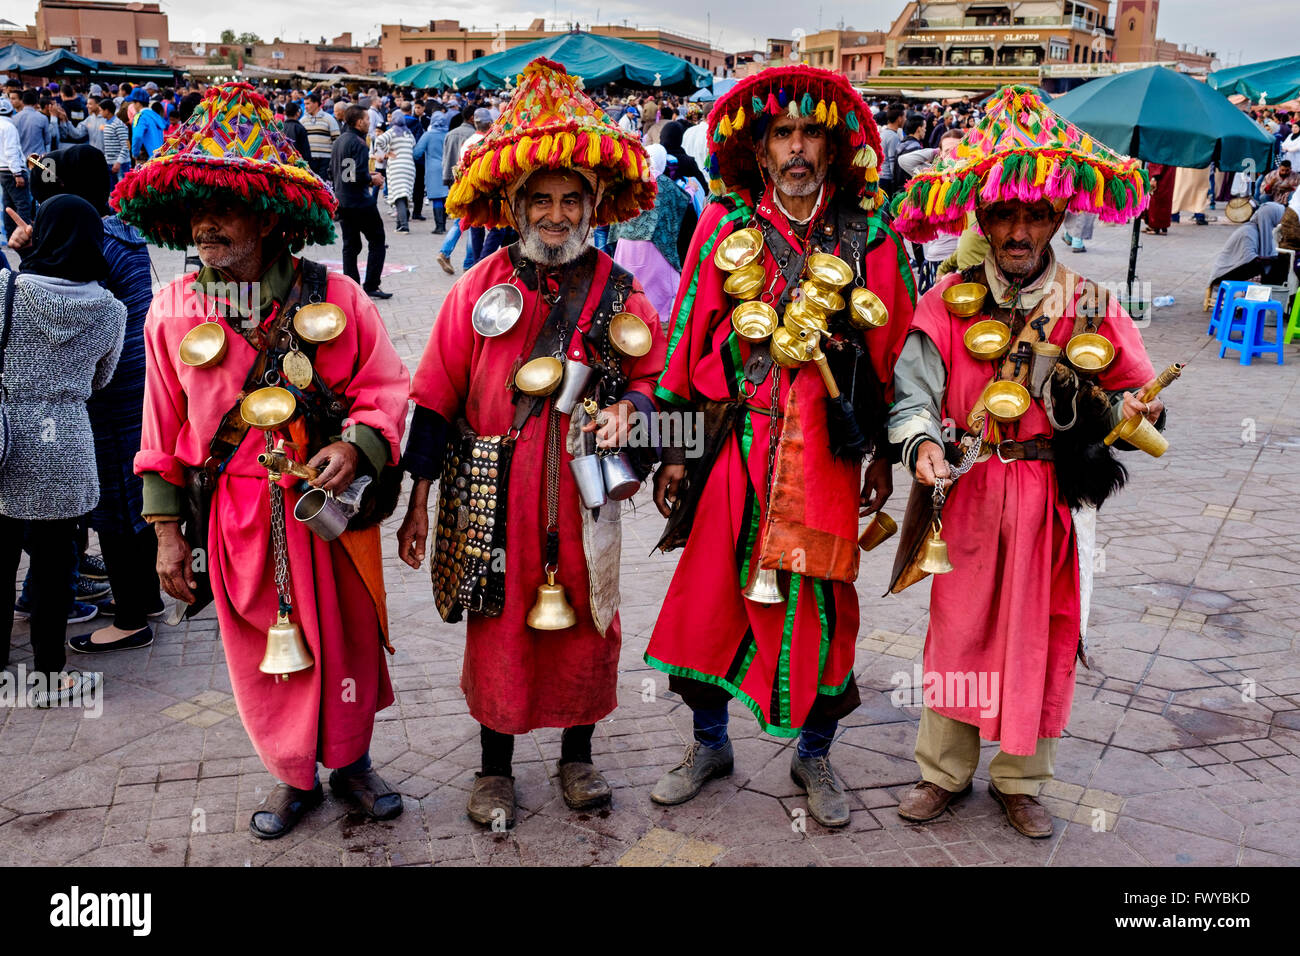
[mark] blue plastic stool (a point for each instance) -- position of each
(1248, 317)
(1228, 290)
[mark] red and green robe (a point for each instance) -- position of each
(775, 658)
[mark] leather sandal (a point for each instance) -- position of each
(285, 806)
(368, 789)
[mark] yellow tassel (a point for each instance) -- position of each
(593, 150)
(872, 175)
(507, 161)
(1085, 144)
(544, 150)
(1041, 166)
(618, 151)
(833, 115)
(716, 187)
(739, 122)
(793, 109)
(819, 114)
(1099, 191)
(566, 143)
(521, 151)
(724, 126)
(930, 200)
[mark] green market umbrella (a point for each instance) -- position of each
(597, 58)
(1160, 116)
(1269, 81)
(423, 76)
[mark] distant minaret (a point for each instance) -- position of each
(1135, 30)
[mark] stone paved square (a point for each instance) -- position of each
(1183, 747)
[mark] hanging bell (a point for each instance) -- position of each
(763, 587)
(551, 610)
(934, 554)
(286, 651)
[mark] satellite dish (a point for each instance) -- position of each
(861, 41)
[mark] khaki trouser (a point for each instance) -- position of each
(948, 752)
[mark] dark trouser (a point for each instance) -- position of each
(499, 748)
(131, 560)
(403, 213)
(417, 199)
(439, 214)
(1269, 271)
(358, 221)
(496, 238)
(321, 167)
(474, 254)
(18, 198)
(54, 558)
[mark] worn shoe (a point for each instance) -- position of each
(447, 267)
(83, 643)
(827, 802)
(490, 795)
(583, 785)
(79, 684)
(378, 294)
(88, 590)
(700, 765)
(282, 809)
(376, 798)
(1024, 813)
(927, 800)
(92, 566)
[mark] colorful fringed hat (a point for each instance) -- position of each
(231, 145)
(1021, 150)
(550, 123)
(741, 115)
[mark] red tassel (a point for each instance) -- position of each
(772, 106)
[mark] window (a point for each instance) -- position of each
(121, 48)
(148, 53)
(451, 55)
(96, 45)
(476, 54)
(408, 61)
(428, 55)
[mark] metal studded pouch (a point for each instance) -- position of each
(469, 552)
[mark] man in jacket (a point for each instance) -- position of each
(358, 213)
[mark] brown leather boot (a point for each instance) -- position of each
(492, 799)
(1024, 813)
(927, 800)
(583, 785)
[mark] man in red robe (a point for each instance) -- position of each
(246, 210)
(551, 167)
(783, 493)
(1007, 622)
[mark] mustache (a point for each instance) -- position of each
(205, 238)
(797, 162)
(1018, 245)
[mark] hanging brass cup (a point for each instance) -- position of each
(881, 528)
(1090, 352)
(829, 272)
(746, 282)
(828, 302)
(203, 346)
(629, 335)
(1005, 401)
(539, 376)
(788, 350)
(987, 340)
(804, 319)
(964, 299)
(319, 322)
(1141, 434)
(754, 321)
(738, 250)
(866, 311)
(268, 407)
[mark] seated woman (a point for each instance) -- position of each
(1250, 253)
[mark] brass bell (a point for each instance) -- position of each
(934, 554)
(763, 587)
(551, 610)
(286, 651)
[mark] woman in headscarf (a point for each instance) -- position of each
(397, 146)
(129, 545)
(653, 245)
(429, 152)
(62, 337)
(1250, 252)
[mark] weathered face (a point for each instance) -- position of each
(1019, 234)
(556, 209)
(228, 235)
(796, 154)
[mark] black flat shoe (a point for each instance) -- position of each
(82, 643)
(368, 789)
(378, 294)
(282, 809)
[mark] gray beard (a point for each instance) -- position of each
(227, 256)
(535, 248)
(795, 189)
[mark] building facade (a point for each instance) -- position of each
(339, 55)
(128, 34)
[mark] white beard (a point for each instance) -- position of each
(536, 248)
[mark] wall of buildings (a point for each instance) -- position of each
(134, 34)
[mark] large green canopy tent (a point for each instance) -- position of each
(1269, 81)
(1161, 116)
(597, 58)
(21, 59)
(431, 75)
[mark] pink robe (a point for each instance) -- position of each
(515, 678)
(325, 713)
(1008, 612)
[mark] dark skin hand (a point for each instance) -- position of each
(337, 464)
(413, 535)
(175, 572)
(667, 480)
(877, 486)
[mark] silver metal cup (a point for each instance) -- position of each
(577, 377)
(621, 481)
(591, 483)
(1041, 363)
(318, 510)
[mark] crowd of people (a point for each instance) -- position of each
(160, 452)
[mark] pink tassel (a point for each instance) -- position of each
(992, 184)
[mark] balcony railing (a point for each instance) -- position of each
(956, 23)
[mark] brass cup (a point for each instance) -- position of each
(830, 272)
(804, 319)
(268, 408)
(866, 311)
(746, 281)
(881, 528)
(1090, 352)
(754, 321)
(203, 346)
(788, 350)
(964, 299)
(629, 335)
(539, 376)
(1006, 401)
(828, 302)
(320, 322)
(738, 250)
(987, 340)
(1141, 434)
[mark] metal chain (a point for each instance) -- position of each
(552, 470)
(279, 543)
(773, 432)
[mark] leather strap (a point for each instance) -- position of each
(1035, 449)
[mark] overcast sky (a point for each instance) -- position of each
(1257, 30)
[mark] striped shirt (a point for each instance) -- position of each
(322, 130)
(117, 143)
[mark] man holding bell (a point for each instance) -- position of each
(541, 354)
(1033, 367)
(791, 311)
(272, 393)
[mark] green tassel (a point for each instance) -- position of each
(756, 105)
(1088, 176)
(806, 105)
(851, 120)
